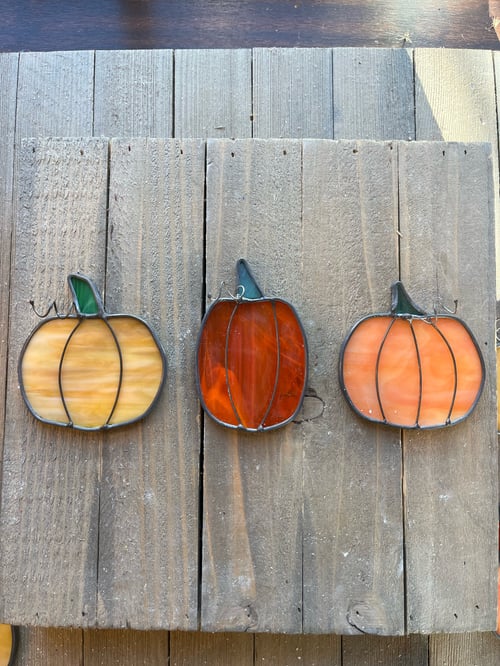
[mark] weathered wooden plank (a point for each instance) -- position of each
(450, 475)
(454, 95)
(199, 648)
(353, 537)
(8, 86)
(55, 94)
(114, 646)
(281, 650)
(292, 93)
(50, 496)
(213, 93)
(252, 543)
(49, 647)
(148, 546)
(464, 649)
(373, 94)
(133, 93)
(375, 650)
(455, 101)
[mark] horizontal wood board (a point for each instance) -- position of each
(28, 104)
(201, 24)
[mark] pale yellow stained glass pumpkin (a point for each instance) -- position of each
(92, 370)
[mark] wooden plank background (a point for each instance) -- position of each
(353, 557)
(298, 570)
(148, 548)
(452, 512)
(38, 110)
(50, 494)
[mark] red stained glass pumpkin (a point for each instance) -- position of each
(251, 359)
(409, 369)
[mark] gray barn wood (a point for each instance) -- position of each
(450, 476)
(353, 535)
(37, 97)
(50, 497)
(55, 94)
(213, 93)
(148, 546)
(373, 94)
(133, 93)
(252, 536)
(292, 93)
(8, 79)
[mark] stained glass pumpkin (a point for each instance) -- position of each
(409, 369)
(251, 359)
(91, 370)
(8, 640)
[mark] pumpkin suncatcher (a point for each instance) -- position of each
(91, 370)
(251, 359)
(410, 369)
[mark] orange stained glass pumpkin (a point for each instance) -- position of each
(251, 359)
(409, 369)
(8, 644)
(91, 370)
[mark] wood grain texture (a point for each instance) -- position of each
(117, 647)
(8, 85)
(450, 475)
(133, 93)
(300, 650)
(454, 95)
(148, 548)
(464, 649)
(128, 24)
(394, 651)
(55, 94)
(353, 538)
(213, 93)
(200, 649)
(455, 101)
(292, 93)
(49, 647)
(373, 94)
(50, 498)
(252, 543)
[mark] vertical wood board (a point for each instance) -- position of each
(50, 498)
(454, 95)
(133, 93)
(376, 650)
(282, 650)
(55, 94)
(353, 538)
(8, 81)
(450, 475)
(455, 101)
(49, 647)
(252, 543)
(292, 93)
(201, 648)
(115, 647)
(481, 648)
(213, 93)
(148, 548)
(373, 94)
